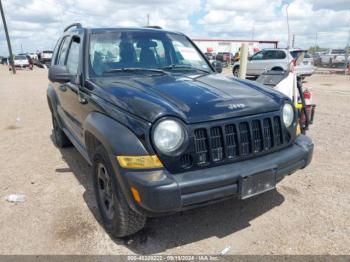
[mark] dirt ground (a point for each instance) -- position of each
(308, 214)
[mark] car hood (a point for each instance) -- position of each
(193, 98)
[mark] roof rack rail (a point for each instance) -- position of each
(153, 26)
(77, 25)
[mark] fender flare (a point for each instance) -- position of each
(53, 102)
(116, 138)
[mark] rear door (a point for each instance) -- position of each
(275, 59)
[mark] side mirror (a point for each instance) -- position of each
(60, 74)
(217, 66)
(249, 58)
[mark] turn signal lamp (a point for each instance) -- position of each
(139, 162)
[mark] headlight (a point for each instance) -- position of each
(168, 136)
(288, 115)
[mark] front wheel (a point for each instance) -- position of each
(118, 218)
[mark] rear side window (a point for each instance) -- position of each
(274, 54)
(73, 56)
(280, 55)
(63, 51)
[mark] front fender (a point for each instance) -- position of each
(115, 137)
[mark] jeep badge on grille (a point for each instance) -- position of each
(236, 106)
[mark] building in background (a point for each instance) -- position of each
(232, 46)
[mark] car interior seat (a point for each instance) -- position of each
(127, 55)
(147, 55)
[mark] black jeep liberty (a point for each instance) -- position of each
(162, 130)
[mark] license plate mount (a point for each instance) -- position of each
(256, 184)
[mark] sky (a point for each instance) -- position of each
(37, 24)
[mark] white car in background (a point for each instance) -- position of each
(306, 66)
(20, 61)
(277, 59)
(334, 57)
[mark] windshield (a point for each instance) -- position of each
(143, 50)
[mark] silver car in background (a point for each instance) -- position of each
(278, 60)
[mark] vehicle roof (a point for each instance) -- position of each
(285, 49)
(134, 29)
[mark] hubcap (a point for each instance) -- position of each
(105, 191)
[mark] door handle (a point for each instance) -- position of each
(82, 99)
(63, 88)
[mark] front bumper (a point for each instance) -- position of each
(162, 192)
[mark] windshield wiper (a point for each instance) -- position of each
(133, 69)
(175, 66)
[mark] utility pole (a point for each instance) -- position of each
(315, 43)
(147, 19)
(7, 38)
(293, 41)
(288, 27)
(347, 64)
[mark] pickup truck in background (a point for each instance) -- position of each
(334, 57)
(45, 57)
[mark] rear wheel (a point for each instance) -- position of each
(235, 71)
(59, 137)
(118, 218)
(277, 69)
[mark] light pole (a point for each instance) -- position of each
(316, 36)
(288, 26)
(7, 38)
(347, 64)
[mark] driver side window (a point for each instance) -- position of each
(73, 56)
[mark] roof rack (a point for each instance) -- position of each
(77, 25)
(153, 26)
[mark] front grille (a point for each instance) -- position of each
(238, 140)
(201, 143)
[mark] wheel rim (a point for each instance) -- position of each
(104, 187)
(235, 72)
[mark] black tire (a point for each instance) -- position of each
(59, 137)
(118, 218)
(330, 63)
(277, 69)
(235, 71)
